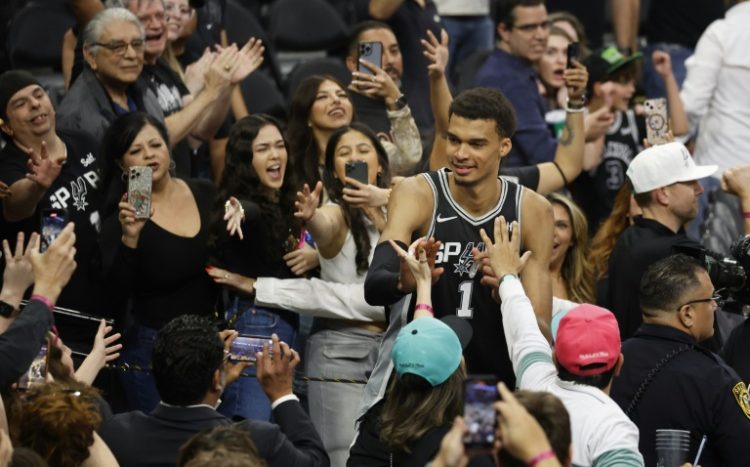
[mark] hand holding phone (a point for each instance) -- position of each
(357, 170)
(480, 394)
(657, 125)
(52, 223)
(244, 348)
(371, 52)
(574, 52)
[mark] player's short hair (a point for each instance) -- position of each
(486, 104)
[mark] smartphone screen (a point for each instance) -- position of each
(52, 223)
(480, 393)
(37, 372)
(657, 126)
(574, 50)
(244, 348)
(371, 52)
(358, 171)
(139, 190)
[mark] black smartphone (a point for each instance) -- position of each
(357, 170)
(244, 348)
(480, 393)
(52, 223)
(574, 51)
(371, 52)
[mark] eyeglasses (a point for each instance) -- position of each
(531, 27)
(120, 47)
(715, 298)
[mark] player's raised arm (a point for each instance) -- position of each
(409, 211)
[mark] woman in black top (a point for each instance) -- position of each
(256, 242)
(157, 265)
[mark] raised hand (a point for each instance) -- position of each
(53, 268)
(575, 80)
(105, 350)
(234, 215)
(42, 170)
(416, 261)
(18, 275)
(436, 52)
(504, 253)
(597, 123)
(219, 74)
(302, 260)
(307, 201)
(662, 63)
(406, 282)
(195, 73)
(249, 58)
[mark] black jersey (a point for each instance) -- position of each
(458, 291)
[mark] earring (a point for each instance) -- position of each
(309, 124)
(124, 177)
(172, 165)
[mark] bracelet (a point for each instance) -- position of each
(746, 214)
(565, 179)
(574, 110)
(541, 457)
(574, 104)
(426, 307)
(44, 300)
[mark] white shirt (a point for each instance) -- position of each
(716, 91)
(602, 435)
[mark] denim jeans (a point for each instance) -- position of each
(245, 398)
(467, 35)
(139, 385)
(652, 82)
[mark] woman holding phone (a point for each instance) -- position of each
(250, 239)
(157, 263)
(346, 234)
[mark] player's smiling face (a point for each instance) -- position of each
(474, 149)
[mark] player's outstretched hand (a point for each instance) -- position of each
(504, 253)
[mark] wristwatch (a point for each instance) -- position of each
(6, 309)
(400, 102)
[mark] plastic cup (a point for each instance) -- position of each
(672, 447)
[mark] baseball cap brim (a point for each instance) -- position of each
(461, 327)
(698, 172)
(626, 61)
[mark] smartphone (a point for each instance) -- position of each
(139, 190)
(244, 348)
(371, 52)
(657, 126)
(37, 372)
(574, 51)
(357, 170)
(52, 223)
(480, 393)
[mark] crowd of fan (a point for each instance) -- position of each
(121, 310)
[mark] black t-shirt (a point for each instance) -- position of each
(170, 89)
(527, 175)
(165, 275)
(596, 190)
(211, 21)
(410, 23)
(76, 190)
(673, 22)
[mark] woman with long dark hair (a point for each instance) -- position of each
(266, 231)
(156, 264)
(346, 235)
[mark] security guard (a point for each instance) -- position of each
(669, 381)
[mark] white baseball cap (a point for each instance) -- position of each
(663, 165)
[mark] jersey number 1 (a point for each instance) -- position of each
(465, 290)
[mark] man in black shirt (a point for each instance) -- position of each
(47, 169)
(665, 182)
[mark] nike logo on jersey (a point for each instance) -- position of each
(440, 220)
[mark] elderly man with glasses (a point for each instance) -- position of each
(670, 380)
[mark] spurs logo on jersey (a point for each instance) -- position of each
(464, 262)
(76, 194)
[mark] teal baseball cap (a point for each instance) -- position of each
(431, 348)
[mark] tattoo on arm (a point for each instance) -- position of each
(567, 134)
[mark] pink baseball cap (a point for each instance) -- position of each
(588, 340)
